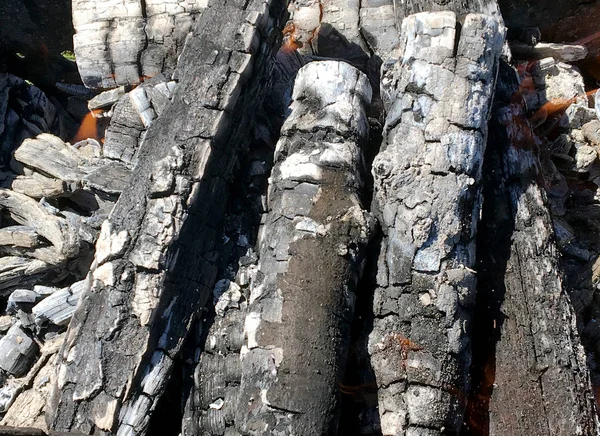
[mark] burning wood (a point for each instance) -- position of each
(176, 279)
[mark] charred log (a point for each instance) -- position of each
(427, 198)
(311, 253)
(532, 376)
(154, 265)
(122, 42)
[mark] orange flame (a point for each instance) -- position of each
(89, 127)
(555, 106)
(291, 43)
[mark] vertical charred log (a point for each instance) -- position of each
(311, 256)
(534, 378)
(155, 259)
(427, 198)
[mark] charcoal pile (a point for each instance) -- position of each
(300, 218)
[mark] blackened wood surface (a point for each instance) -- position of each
(536, 363)
(311, 255)
(154, 265)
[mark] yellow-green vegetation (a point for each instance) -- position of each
(68, 55)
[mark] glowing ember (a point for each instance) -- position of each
(290, 37)
(89, 127)
(303, 28)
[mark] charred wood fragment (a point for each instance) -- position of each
(427, 198)
(212, 402)
(311, 256)
(155, 258)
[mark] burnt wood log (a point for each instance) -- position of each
(427, 198)
(311, 255)
(541, 383)
(119, 42)
(154, 265)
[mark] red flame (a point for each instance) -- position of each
(556, 106)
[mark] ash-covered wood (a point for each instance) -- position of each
(311, 253)
(561, 52)
(17, 350)
(119, 42)
(427, 198)
(540, 378)
(217, 373)
(460, 7)
(155, 259)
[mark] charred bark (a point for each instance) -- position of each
(459, 7)
(121, 42)
(427, 198)
(154, 265)
(212, 402)
(311, 254)
(532, 376)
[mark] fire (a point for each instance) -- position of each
(292, 34)
(291, 39)
(88, 127)
(555, 106)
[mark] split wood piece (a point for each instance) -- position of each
(561, 52)
(378, 27)
(58, 231)
(427, 198)
(212, 405)
(344, 29)
(541, 383)
(20, 271)
(50, 156)
(154, 267)
(120, 42)
(311, 256)
(26, 398)
(17, 351)
(54, 168)
(39, 186)
(133, 114)
(59, 307)
(20, 236)
(124, 132)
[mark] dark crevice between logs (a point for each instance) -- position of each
(493, 251)
(359, 387)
